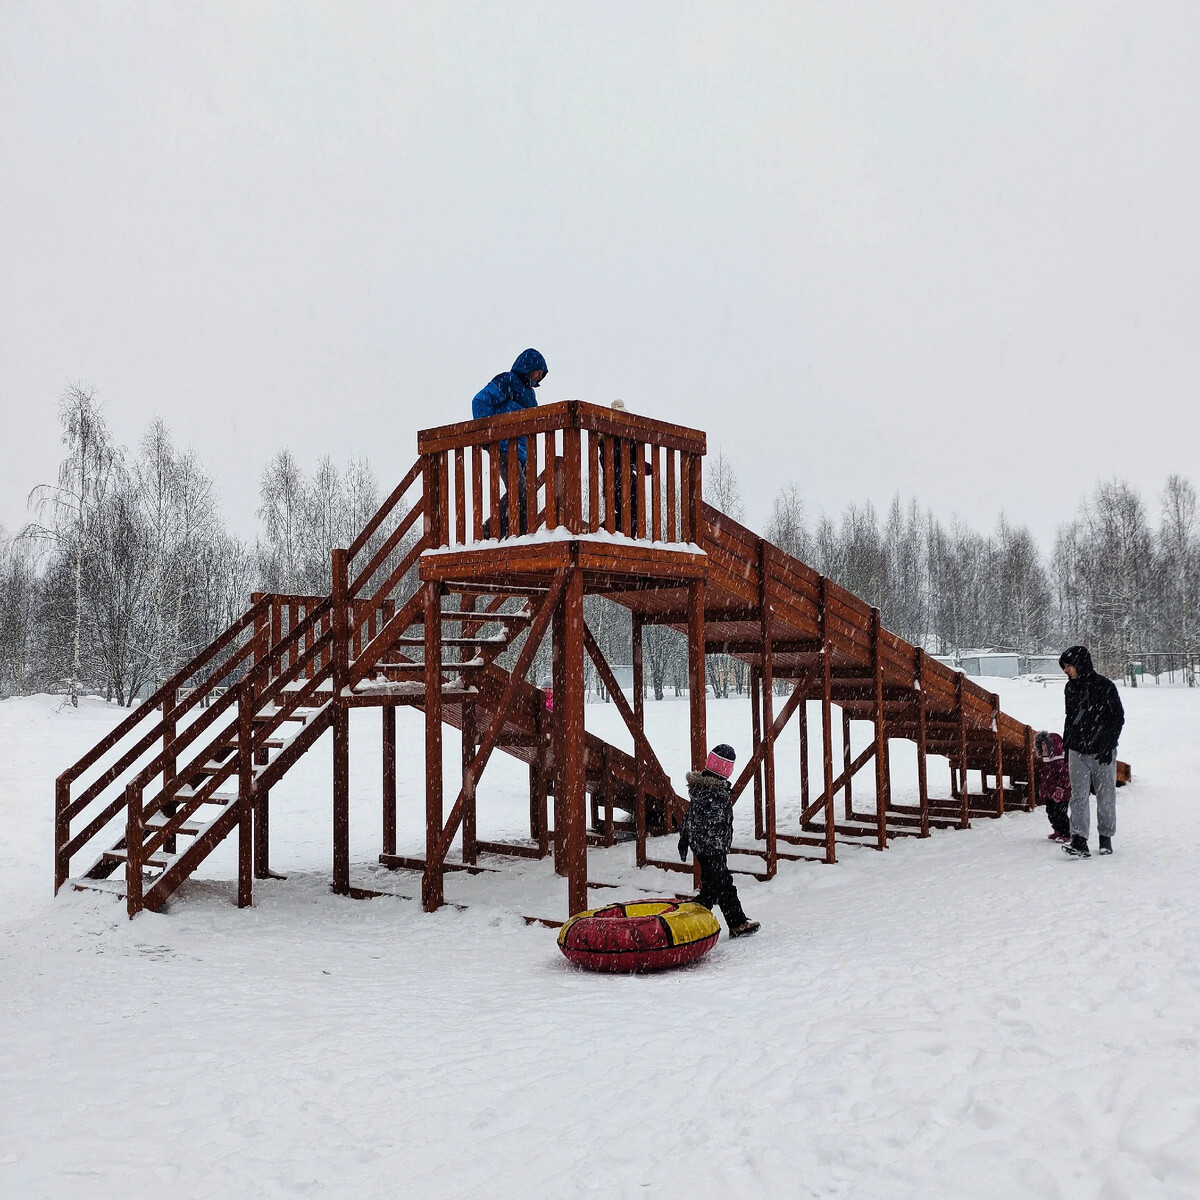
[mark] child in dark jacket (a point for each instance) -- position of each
(708, 830)
(1054, 783)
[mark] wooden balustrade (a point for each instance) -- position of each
(587, 470)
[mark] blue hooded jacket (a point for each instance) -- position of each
(510, 392)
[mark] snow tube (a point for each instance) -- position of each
(646, 936)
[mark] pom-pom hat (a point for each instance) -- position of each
(720, 760)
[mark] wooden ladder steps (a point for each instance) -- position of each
(492, 639)
(123, 856)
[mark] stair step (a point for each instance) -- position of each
(494, 639)
(419, 668)
(111, 887)
(299, 715)
(223, 799)
(123, 856)
(183, 830)
(517, 618)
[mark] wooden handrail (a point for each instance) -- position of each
(384, 509)
(155, 700)
(563, 414)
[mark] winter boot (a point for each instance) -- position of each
(1105, 844)
(1058, 837)
(746, 927)
(1078, 848)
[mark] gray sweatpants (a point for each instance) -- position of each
(1088, 772)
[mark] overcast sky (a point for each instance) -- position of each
(945, 249)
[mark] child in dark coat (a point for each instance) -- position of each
(708, 830)
(1054, 783)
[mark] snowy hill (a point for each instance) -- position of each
(968, 1016)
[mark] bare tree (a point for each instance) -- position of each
(1179, 550)
(786, 528)
(75, 505)
(283, 493)
(721, 488)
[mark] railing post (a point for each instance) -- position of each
(134, 838)
(695, 499)
(245, 717)
(168, 772)
(573, 469)
(433, 502)
(62, 832)
(341, 721)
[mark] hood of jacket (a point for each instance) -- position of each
(527, 362)
(1049, 746)
(1078, 657)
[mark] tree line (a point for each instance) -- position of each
(128, 570)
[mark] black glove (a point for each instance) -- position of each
(683, 846)
(1105, 757)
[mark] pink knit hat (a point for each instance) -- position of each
(720, 760)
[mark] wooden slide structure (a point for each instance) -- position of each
(605, 502)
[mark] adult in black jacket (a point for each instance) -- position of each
(1094, 720)
(708, 830)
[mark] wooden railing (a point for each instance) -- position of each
(81, 811)
(587, 470)
(277, 653)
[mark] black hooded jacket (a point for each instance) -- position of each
(1095, 716)
(708, 825)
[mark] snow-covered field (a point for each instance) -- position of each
(968, 1016)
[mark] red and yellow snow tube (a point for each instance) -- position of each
(646, 936)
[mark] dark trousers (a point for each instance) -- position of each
(717, 888)
(523, 517)
(1060, 816)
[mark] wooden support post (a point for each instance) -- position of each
(696, 681)
(568, 708)
(767, 680)
(848, 804)
(827, 724)
(432, 893)
(922, 764)
(245, 720)
(964, 821)
(545, 733)
(755, 742)
(1031, 798)
(135, 837)
(804, 785)
(389, 778)
(639, 717)
(341, 726)
(558, 674)
(696, 674)
(881, 766)
(999, 755)
(470, 850)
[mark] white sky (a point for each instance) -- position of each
(948, 249)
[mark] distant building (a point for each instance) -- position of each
(1042, 664)
(993, 664)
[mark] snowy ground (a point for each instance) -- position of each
(968, 1016)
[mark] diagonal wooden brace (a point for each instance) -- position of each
(641, 745)
(472, 773)
(799, 693)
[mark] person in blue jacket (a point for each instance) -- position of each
(512, 391)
